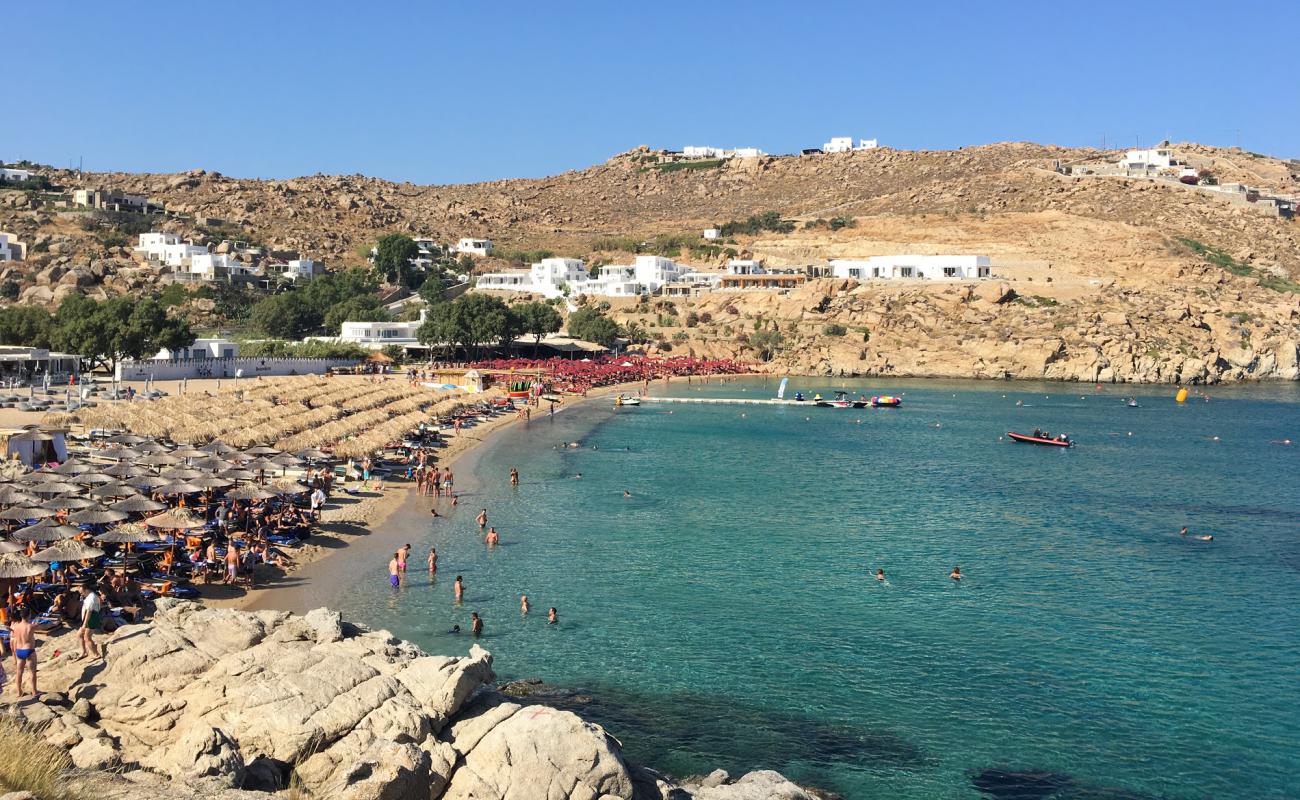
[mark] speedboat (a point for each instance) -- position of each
(625, 400)
(1132, 402)
(1031, 439)
(841, 401)
(886, 401)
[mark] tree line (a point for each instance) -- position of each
(102, 333)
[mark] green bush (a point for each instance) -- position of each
(834, 329)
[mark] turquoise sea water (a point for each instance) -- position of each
(725, 615)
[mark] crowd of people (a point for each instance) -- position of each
(579, 376)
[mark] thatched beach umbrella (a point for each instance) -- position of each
(45, 531)
(55, 487)
(178, 488)
(131, 533)
(180, 473)
(24, 513)
(250, 493)
(67, 503)
(71, 467)
(218, 447)
(311, 454)
(11, 547)
(127, 471)
(262, 464)
(118, 453)
(287, 487)
(211, 482)
(112, 490)
(210, 464)
(69, 550)
(97, 516)
(92, 478)
(180, 519)
(159, 459)
(261, 450)
(286, 460)
(17, 565)
(239, 474)
(138, 505)
(12, 495)
(40, 476)
(127, 438)
(147, 482)
(189, 452)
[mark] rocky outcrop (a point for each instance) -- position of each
(234, 701)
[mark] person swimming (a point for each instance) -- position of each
(880, 575)
(523, 604)
(626, 493)
(955, 574)
(1201, 537)
(454, 629)
(553, 617)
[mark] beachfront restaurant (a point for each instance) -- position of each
(29, 365)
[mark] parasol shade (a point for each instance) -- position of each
(17, 565)
(176, 519)
(68, 550)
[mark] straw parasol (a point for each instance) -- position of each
(113, 490)
(189, 452)
(212, 482)
(176, 519)
(179, 487)
(250, 493)
(69, 550)
(127, 471)
(312, 454)
(89, 478)
(147, 482)
(12, 495)
(239, 474)
(118, 453)
(287, 487)
(262, 464)
(209, 464)
(261, 449)
(17, 565)
(138, 505)
(219, 447)
(55, 487)
(45, 531)
(22, 513)
(97, 516)
(71, 467)
(159, 459)
(41, 476)
(180, 473)
(68, 503)
(286, 460)
(131, 533)
(149, 446)
(10, 547)
(127, 438)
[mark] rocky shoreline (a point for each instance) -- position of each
(223, 704)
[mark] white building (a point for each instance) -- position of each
(745, 266)
(712, 233)
(695, 151)
(1158, 158)
(376, 335)
(168, 249)
(844, 144)
(903, 267)
(559, 277)
(474, 247)
(201, 348)
(207, 266)
(15, 175)
(11, 249)
(550, 277)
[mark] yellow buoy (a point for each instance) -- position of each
(1181, 396)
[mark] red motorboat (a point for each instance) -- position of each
(1024, 437)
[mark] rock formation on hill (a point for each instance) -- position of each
(223, 704)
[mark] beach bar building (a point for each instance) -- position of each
(913, 267)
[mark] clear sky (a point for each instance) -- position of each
(438, 92)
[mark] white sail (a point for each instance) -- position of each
(780, 392)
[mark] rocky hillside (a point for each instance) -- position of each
(230, 705)
(1127, 279)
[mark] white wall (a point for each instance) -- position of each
(226, 367)
(904, 267)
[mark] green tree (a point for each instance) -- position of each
(393, 256)
(120, 327)
(284, 316)
(766, 343)
(539, 319)
(365, 308)
(592, 326)
(26, 326)
(10, 290)
(470, 322)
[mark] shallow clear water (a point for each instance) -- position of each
(725, 614)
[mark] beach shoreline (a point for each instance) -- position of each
(349, 527)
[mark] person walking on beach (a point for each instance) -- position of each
(459, 589)
(514, 477)
(446, 482)
(433, 560)
(90, 621)
(492, 538)
(22, 638)
(523, 604)
(475, 624)
(317, 501)
(394, 571)
(232, 561)
(481, 519)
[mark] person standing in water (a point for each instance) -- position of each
(552, 616)
(459, 589)
(481, 519)
(523, 604)
(475, 624)
(956, 573)
(492, 539)
(433, 560)
(394, 571)
(404, 555)
(514, 477)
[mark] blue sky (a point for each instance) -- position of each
(442, 92)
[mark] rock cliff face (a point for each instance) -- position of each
(225, 704)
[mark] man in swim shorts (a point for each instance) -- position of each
(475, 624)
(394, 573)
(23, 640)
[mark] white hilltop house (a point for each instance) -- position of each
(298, 270)
(377, 335)
(168, 249)
(904, 267)
(844, 144)
(698, 151)
(559, 277)
(1155, 158)
(474, 247)
(201, 348)
(11, 249)
(207, 266)
(9, 175)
